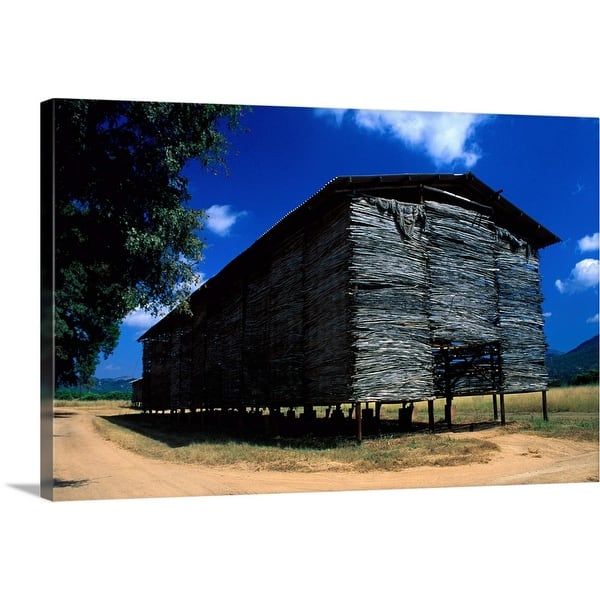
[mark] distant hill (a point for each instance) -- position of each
(121, 384)
(579, 365)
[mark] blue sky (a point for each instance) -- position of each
(547, 166)
(509, 58)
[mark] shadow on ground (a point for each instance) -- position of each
(178, 431)
(63, 414)
(63, 483)
(28, 488)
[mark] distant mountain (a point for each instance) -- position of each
(98, 386)
(579, 365)
(120, 384)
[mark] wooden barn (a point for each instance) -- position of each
(390, 289)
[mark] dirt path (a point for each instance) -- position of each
(88, 467)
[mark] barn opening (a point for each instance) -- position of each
(378, 290)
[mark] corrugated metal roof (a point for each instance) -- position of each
(466, 185)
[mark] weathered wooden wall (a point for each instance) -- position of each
(462, 294)
(326, 311)
(274, 334)
(156, 385)
(444, 301)
(370, 299)
(389, 288)
(520, 315)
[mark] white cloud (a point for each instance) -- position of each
(594, 319)
(447, 138)
(547, 315)
(337, 114)
(589, 243)
(140, 319)
(220, 218)
(585, 275)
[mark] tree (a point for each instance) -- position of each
(125, 236)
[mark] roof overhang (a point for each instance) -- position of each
(464, 186)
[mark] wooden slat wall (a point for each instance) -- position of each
(389, 286)
(223, 358)
(520, 315)
(462, 275)
(327, 350)
(426, 276)
(257, 336)
(179, 366)
(285, 352)
(157, 373)
(198, 345)
(278, 335)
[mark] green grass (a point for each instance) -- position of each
(564, 425)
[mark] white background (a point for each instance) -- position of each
(468, 543)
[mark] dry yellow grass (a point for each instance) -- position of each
(337, 454)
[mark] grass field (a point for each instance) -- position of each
(572, 411)
(573, 414)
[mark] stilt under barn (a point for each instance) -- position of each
(545, 405)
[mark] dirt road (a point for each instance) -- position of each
(89, 467)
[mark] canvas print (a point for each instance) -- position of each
(263, 299)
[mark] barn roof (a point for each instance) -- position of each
(464, 189)
(453, 188)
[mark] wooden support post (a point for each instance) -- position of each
(431, 417)
(358, 423)
(502, 411)
(448, 389)
(495, 402)
(545, 405)
(448, 410)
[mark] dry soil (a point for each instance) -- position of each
(88, 467)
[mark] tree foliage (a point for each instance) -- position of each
(125, 236)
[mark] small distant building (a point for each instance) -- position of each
(388, 289)
(136, 393)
